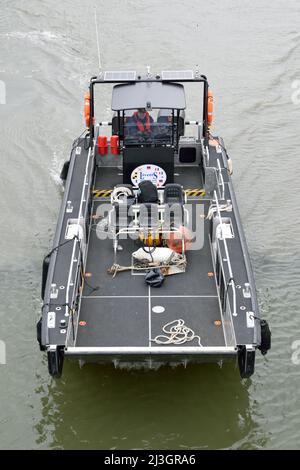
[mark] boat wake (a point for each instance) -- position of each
(56, 166)
(35, 37)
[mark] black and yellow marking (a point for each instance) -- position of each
(195, 192)
(105, 193)
(98, 193)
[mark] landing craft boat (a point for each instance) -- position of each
(149, 264)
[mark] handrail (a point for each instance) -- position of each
(232, 283)
(207, 155)
(79, 218)
(153, 351)
(221, 179)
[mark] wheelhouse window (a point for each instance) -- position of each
(155, 127)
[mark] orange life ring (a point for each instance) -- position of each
(87, 108)
(210, 107)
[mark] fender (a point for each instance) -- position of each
(55, 360)
(246, 361)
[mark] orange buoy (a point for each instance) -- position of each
(114, 144)
(87, 108)
(102, 145)
(210, 108)
(174, 240)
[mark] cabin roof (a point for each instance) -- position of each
(148, 95)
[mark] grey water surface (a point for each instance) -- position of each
(250, 51)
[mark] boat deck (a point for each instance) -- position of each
(189, 177)
(118, 312)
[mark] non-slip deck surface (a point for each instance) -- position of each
(119, 312)
(121, 321)
(189, 177)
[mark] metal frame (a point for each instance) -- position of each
(136, 228)
(231, 281)
(247, 261)
(220, 180)
(78, 257)
(151, 350)
(98, 80)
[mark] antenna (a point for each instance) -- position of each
(97, 39)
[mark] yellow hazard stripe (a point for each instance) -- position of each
(195, 192)
(102, 192)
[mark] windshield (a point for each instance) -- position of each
(153, 127)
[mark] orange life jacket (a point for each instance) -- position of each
(140, 124)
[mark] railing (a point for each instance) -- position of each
(78, 256)
(223, 238)
(135, 228)
(220, 180)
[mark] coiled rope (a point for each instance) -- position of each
(176, 332)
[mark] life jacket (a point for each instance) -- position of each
(140, 125)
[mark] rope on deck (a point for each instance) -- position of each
(177, 332)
